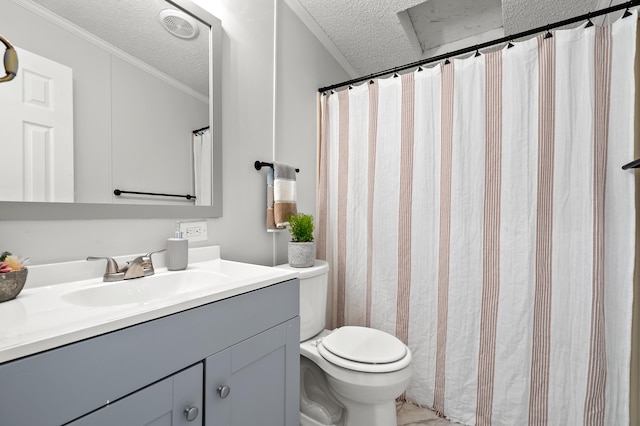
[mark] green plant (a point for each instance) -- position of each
(301, 228)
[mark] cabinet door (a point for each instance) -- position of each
(161, 404)
(256, 382)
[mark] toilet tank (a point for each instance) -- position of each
(313, 297)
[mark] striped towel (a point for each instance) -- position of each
(271, 222)
(281, 196)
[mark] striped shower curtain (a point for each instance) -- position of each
(477, 211)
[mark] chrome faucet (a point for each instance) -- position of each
(141, 266)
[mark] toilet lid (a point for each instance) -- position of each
(364, 345)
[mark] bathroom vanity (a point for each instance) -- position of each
(213, 358)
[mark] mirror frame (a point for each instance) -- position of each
(29, 210)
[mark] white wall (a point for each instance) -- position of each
(247, 136)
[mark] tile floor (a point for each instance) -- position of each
(412, 415)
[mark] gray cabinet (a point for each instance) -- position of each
(174, 401)
(249, 343)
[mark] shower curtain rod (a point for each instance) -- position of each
(477, 47)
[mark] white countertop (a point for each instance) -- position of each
(40, 318)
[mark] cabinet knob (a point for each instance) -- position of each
(224, 391)
(191, 413)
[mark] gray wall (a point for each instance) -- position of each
(139, 128)
(303, 66)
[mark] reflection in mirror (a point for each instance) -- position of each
(111, 95)
(10, 60)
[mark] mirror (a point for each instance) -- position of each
(136, 102)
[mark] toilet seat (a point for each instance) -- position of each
(364, 349)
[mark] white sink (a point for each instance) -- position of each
(67, 302)
(164, 285)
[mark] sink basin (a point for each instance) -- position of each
(142, 290)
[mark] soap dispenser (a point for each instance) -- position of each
(177, 251)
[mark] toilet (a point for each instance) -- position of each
(349, 376)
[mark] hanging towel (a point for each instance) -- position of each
(271, 222)
(284, 194)
(202, 167)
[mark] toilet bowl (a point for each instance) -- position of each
(349, 376)
(318, 406)
(366, 391)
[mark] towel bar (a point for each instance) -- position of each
(188, 196)
(632, 165)
(260, 164)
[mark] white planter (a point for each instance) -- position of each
(302, 255)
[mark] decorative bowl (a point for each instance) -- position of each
(11, 284)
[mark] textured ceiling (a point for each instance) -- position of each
(376, 35)
(366, 32)
(521, 15)
(134, 27)
(366, 36)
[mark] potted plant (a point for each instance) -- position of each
(302, 248)
(13, 275)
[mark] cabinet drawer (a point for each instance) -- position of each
(162, 403)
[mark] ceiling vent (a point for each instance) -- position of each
(179, 23)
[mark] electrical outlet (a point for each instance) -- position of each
(194, 231)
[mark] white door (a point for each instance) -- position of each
(36, 132)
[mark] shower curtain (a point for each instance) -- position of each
(202, 167)
(477, 211)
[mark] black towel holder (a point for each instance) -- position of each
(119, 192)
(632, 165)
(260, 164)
